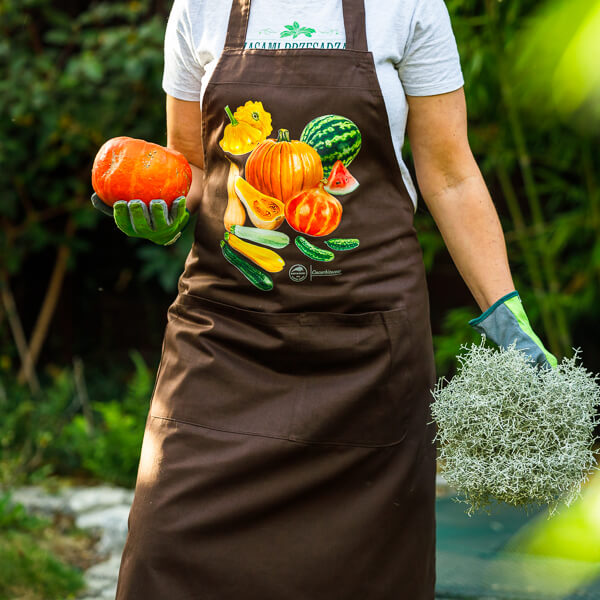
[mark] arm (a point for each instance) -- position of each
(458, 199)
(456, 195)
(184, 134)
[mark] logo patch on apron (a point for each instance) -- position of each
(300, 272)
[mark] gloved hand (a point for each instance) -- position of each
(505, 321)
(135, 220)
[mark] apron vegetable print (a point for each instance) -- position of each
(288, 449)
(292, 181)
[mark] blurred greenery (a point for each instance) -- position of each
(71, 68)
(78, 73)
(108, 445)
(67, 435)
(555, 55)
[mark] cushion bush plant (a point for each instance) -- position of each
(512, 432)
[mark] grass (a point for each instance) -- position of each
(41, 558)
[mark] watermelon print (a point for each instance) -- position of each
(335, 138)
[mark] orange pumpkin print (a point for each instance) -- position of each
(313, 211)
(282, 167)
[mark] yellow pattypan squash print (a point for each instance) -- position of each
(239, 137)
(254, 114)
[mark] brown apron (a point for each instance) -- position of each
(288, 448)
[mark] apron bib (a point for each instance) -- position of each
(288, 447)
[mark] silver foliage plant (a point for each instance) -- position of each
(511, 431)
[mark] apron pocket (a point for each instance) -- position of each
(322, 377)
(354, 381)
(227, 368)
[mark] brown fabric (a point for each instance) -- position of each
(288, 448)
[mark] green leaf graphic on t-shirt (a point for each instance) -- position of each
(295, 30)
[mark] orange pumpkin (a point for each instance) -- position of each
(127, 168)
(281, 168)
(314, 211)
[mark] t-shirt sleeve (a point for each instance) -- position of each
(430, 63)
(182, 75)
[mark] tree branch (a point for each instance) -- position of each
(46, 313)
(14, 320)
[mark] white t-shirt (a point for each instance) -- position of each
(412, 43)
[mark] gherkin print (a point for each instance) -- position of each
(334, 137)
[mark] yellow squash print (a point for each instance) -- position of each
(254, 114)
(239, 137)
(263, 257)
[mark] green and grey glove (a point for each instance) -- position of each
(157, 224)
(505, 321)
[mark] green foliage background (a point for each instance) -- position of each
(77, 74)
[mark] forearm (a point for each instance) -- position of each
(468, 222)
(195, 194)
(184, 134)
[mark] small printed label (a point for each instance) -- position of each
(300, 272)
(324, 272)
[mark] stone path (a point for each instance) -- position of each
(104, 510)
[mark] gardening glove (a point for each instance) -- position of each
(505, 321)
(156, 224)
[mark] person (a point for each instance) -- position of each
(288, 450)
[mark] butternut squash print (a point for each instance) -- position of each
(235, 213)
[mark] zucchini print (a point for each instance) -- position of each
(254, 275)
(282, 185)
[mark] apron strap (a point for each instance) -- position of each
(354, 23)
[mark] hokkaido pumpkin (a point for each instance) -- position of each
(126, 168)
(282, 167)
(314, 211)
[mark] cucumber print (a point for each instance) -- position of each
(334, 138)
(313, 251)
(342, 243)
(255, 275)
